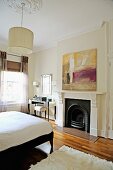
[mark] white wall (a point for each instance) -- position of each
(45, 62)
(91, 40)
(31, 73)
(3, 47)
(110, 80)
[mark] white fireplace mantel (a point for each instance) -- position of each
(83, 92)
(94, 96)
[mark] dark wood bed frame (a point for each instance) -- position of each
(18, 150)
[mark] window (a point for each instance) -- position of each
(46, 84)
(12, 87)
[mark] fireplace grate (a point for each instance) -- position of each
(76, 124)
(77, 114)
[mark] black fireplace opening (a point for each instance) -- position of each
(77, 114)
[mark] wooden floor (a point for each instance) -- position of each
(100, 147)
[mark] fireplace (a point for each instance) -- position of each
(77, 114)
(92, 102)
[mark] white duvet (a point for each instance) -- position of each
(17, 128)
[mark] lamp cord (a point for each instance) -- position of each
(23, 4)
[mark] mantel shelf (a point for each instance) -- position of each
(82, 92)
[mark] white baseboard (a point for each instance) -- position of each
(93, 132)
(102, 133)
(56, 122)
(60, 123)
(110, 134)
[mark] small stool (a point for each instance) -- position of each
(40, 109)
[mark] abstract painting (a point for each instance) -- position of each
(79, 70)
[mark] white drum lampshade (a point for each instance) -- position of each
(20, 40)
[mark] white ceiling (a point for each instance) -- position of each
(57, 20)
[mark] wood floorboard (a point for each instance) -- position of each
(98, 146)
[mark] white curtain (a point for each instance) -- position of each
(13, 85)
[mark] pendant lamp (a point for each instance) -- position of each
(20, 39)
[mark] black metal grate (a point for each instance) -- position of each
(77, 116)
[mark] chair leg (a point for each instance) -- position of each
(45, 114)
(55, 113)
(35, 112)
(48, 116)
(40, 114)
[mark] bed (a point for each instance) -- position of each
(20, 132)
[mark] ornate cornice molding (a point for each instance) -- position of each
(31, 6)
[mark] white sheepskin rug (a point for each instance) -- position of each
(67, 158)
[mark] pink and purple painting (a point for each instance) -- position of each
(79, 70)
